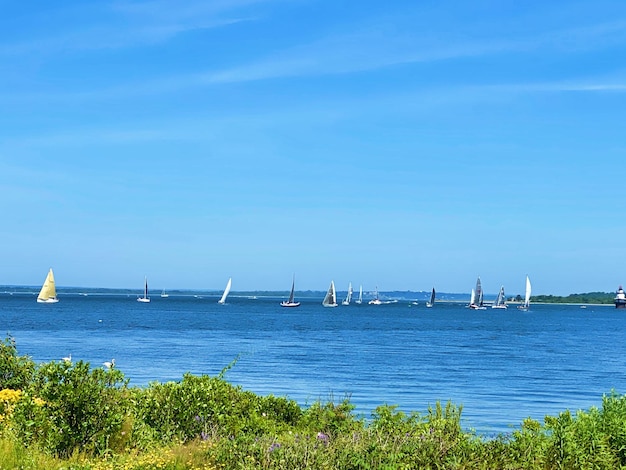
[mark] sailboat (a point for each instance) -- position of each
(472, 299)
(164, 295)
(48, 292)
(431, 302)
(526, 305)
(291, 301)
(375, 300)
(145, 297)
(360, 299)
(500, 301)
(330, 300)
(478, 297)
(226, 291)
(349, 296)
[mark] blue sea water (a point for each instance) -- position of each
(502, 366)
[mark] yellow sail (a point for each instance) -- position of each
(48, 291)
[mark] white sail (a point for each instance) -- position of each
(479, 292)
(526, 305)
(145, 297)
(48, 292)
(527, 294)
(500, 303)
(330, 300)
(476, 301)
(360, 299)
(349, 296)
(431, 302)
(226, 291)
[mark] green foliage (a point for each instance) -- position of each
(16, 372)
(201, 407)
(613, 419)
(528, 445)
(69, 406)
(588, 298)
(331, 418)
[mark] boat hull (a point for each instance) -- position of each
(290, 304)
(144, 300)
(51, 300)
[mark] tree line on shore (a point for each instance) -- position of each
(587, 298)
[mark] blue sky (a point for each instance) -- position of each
(397, 144)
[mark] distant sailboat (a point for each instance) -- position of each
(375, 300)
(164, 295)
(500, 300)
(330, 300)
(526, 305)
(48, 292)
(226, 291)
(145, 297)
(478, 305)
(291, 301)
(431, 302)
(349, 296)
(360, 299)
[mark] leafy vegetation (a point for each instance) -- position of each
(588, 298)
(65, 415)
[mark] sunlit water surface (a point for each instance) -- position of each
(502, 366)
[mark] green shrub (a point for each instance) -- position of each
(331, 418)
(579, 442)
(69, 406)
(613, 416)
(16, 372)
(200, 407)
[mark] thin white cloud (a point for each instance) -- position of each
(321, 112)
(129, 24)
(379, 48)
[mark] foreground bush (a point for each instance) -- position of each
(68, 415)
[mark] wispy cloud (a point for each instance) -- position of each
(129, 24)
(377, 48)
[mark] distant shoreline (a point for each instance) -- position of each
(600, 298)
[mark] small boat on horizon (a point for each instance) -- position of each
(375, 300)
(349, 296)
(291, 301)
(476, 300)
(164, 295)
(330, 300)
(226, 291)
(48, 292)
(500, 300)
(360, 299)
(526, 305)
(145, 298)
(431, 302)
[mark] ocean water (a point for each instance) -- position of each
(502, 366)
